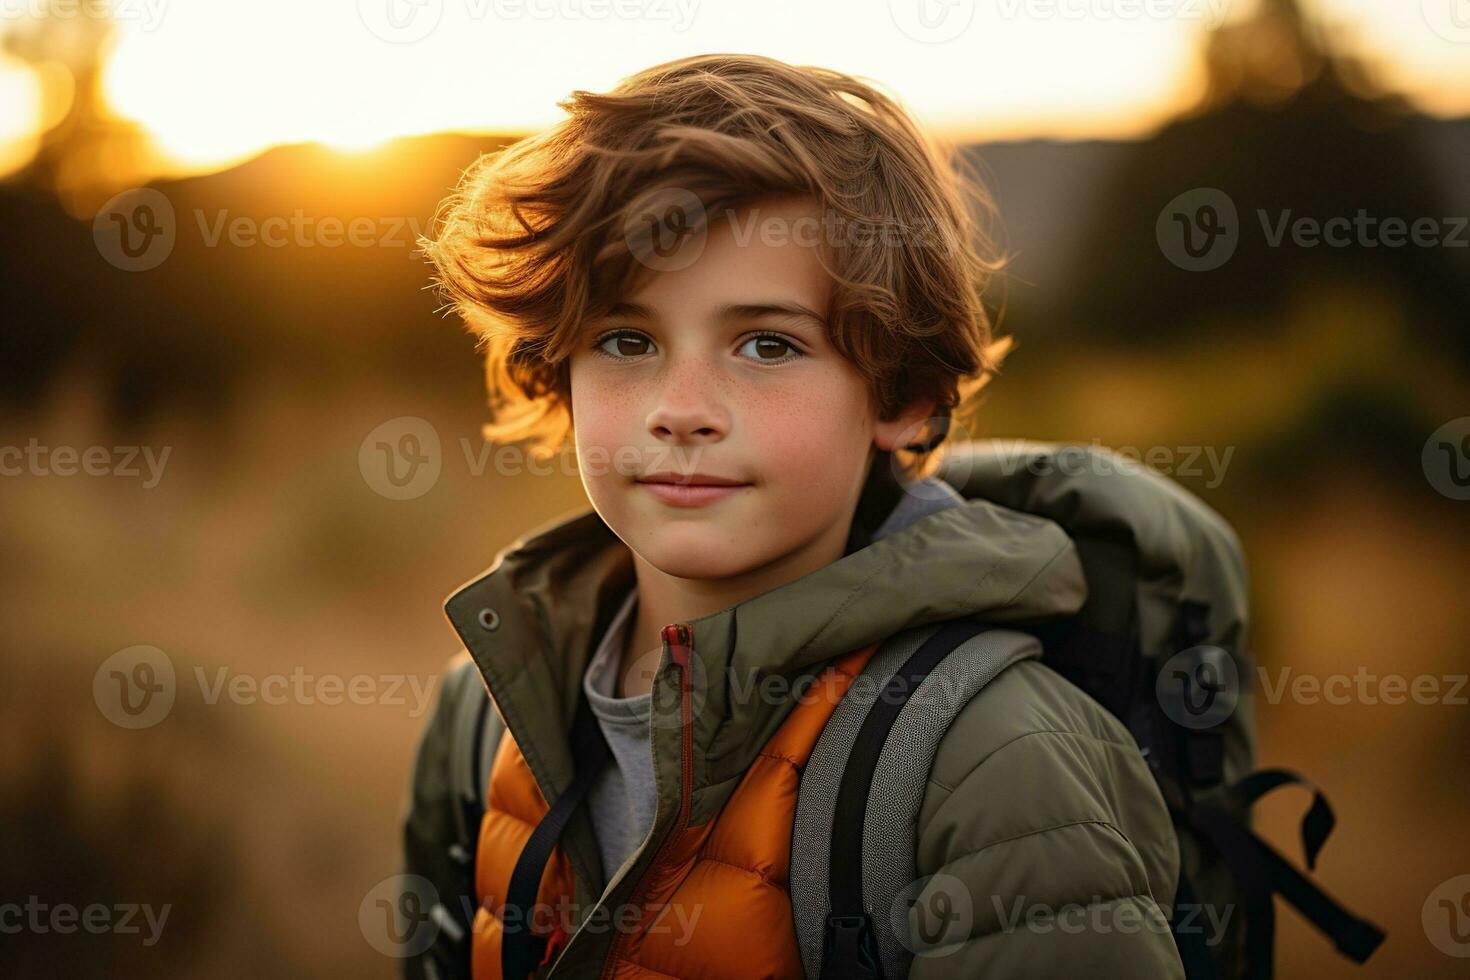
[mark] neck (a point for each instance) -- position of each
(665, 599)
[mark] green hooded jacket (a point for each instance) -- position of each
(1038, 799)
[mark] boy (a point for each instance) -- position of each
(751, 292)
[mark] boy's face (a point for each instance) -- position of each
(722, 369)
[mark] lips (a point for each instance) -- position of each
(692, 480)
(695, 490)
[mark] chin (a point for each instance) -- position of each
(695, 550)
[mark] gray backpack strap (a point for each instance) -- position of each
(890, 819)
(475, 730)
(478, 727)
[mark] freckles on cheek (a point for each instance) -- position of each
(600, 413)
(806, 436)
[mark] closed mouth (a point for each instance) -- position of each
(674, 479)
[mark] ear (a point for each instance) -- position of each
(908, 427)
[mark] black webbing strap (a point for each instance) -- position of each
(850, 949)
(1099, 641)
(1238, 847)
(1097, 649)
(1189, 938)
(1316, 825)
(1355, 938)
(589, 753)
(1261, 871)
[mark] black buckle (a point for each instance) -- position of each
(849, 949)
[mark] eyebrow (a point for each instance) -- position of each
(728, 312)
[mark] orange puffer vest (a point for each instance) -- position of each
(712, 887)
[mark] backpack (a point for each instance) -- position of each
(1159, 642)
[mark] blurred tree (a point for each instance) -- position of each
(1289, 129)
(88, 152)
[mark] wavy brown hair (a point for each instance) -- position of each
(540, 236)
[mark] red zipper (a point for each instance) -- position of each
(554, 945)
(679, 639)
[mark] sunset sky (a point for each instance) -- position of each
(215, 82)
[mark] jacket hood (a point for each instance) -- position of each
(532, 620)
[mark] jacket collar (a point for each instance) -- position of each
(531, 621)
(930, 496)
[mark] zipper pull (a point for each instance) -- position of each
(554, 944)
(676, 637)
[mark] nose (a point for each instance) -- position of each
(688, 407)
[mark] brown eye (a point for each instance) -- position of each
(770, 348)
(624, 345)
